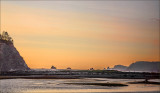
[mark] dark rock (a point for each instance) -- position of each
(53, 67)
(120, 68)
(145, 66)
(10, 58)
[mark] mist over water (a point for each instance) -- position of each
(59, 86)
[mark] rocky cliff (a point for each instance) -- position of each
(10, 58)
(139, 66)
(145, 66)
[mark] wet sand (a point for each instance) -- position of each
(100, 84)
(85, 85)
(143, 82)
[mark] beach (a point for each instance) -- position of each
(75, 86)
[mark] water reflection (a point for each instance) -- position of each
(58, 86)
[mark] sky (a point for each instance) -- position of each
(83, 34)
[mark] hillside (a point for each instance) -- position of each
(10, 58)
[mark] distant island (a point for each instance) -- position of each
(139, 66)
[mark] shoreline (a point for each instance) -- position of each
(71, 74)
(64, 77)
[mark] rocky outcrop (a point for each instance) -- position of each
(144, 66)
(120, 68)
(53, 67)
(139, 66)
(10, 58)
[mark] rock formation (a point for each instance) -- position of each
(10, 58)
(139, 66)
(53, 67)
(144, 66)
(120, 68)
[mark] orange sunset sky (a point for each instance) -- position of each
(83, 34)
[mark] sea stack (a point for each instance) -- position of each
(10, 59)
